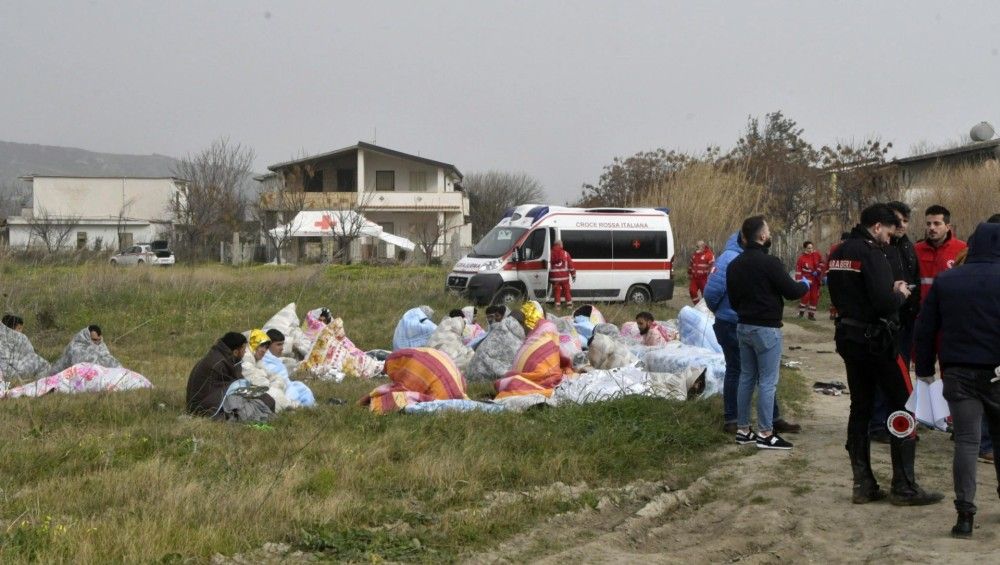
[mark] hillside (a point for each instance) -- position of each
(18, 159)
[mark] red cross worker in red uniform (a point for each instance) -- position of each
(700, 266)
(560, 272)
(809, 266)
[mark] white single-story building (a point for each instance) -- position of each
(78, 212)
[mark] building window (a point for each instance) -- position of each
(418, 181)
(313, 182)
(347, 180)
(124, 241)
(385, 180)
(81, 240)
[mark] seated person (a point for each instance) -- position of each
(494, 314)
(325, 316)
(296, 391)
(13, 322)
(87, 346)
(650, 333)
(211, 377)
(256, 372)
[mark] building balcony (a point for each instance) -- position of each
(383, 201)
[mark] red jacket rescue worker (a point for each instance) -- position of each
(938, 250)
(560, 271)
(809, 266)
(699, 268)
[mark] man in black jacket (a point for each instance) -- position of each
(905, 267)
(758, 284)
(211, 377)
(867, 297)
(963, 310)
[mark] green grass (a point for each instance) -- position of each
(127, 477)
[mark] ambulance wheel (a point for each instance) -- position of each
(507, 295)
(638, 294)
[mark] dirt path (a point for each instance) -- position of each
(763, 507)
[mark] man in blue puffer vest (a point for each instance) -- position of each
(717, 300)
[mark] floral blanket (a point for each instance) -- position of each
(83, 377)
(334, 356)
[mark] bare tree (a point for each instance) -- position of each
(430, 234)
(122, 222)
(493, 192)
(12, 198)
(858, 176)
(280, 202)
(775, 155)
(349, 223)
(210, 207)
(52, 231)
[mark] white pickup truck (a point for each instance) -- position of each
(155, 253)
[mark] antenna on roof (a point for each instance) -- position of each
(374, 134)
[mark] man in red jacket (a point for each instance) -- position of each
(699, 268)
(560, 271)
(939, 248)
(809, 266)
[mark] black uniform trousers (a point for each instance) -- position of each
(871, 364)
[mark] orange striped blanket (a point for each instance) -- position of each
(418, 374)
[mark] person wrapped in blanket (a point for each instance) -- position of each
(18, 360)
(256, 372)
(214, 373)
(87, 346)
(296, 391)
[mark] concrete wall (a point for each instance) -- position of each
(22, 238)
(143, 199)
(436, 181)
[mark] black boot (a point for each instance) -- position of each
(963, 527)
(866, 488)
(905, 490)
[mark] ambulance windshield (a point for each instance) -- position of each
(499, 241)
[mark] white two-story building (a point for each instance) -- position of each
(407, 195)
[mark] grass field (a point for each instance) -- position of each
(127, 477)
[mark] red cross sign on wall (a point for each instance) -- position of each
(636, 244)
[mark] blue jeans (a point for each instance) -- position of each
(725, 333)
(760, 362)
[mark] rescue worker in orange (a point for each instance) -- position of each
(809, 266)
(702, 261)
(560, 272)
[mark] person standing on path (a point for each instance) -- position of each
(560, 271)
(963, 308)
(809, 266)
(867, 297)
(699, 268)
(756, 283)
(726, 320)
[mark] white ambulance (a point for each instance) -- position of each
(619, 254)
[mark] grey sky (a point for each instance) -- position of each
(555, 89)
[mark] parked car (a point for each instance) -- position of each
(155, 253)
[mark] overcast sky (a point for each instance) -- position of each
(556, 89)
